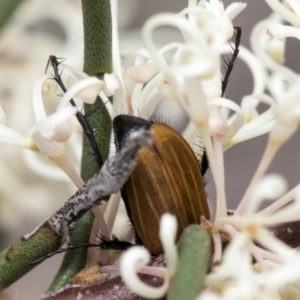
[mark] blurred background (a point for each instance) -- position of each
(37, 29)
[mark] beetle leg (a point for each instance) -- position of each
(104, 244)
(204, 164)
(229, 64)
(113, 243)
(79, 115)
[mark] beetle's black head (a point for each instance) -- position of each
(125, 127)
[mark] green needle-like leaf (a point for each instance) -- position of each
(194, 253)
(97, 61)
(15, 260)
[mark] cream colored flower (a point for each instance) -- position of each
(135, 258)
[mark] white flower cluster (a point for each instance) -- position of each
(25, 45)
(189, 72)
(192, 77)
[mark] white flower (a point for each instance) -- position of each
(48, 134)
(135, 258)
(290, 15)
(189, 72)
(237, 256)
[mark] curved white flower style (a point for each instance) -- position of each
(46, 138)
(269, 51)
(52, 131)
(188, 71)
(135, 258)
(196, 84)
(212, 14)
(194, 78)
(282, 119)
(289, 12)
(275, 261)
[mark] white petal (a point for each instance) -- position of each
(147, 107)
(89, 94)
(165, 88)
(8, 132)
(267, 240)
(195, 104)
(167, 235)
(257, 69)
(131, 262)
(276, 49)
(17, 142)
(259, 42)
(249, 108)
(281, 32)
(111, 84)
(107, 104)
(295, 5)
(49, 88)
(142, 73)
(270, 187)
(147, 97)
(43, 167)
(244, 135)
(84, 83)
(218, 126)
(47, 128)
(262, 124)
(284, 12)
(191, 36)
(45, 145)
(74, 71)
(62, 132)
(194, 62)
(236, 121)
(233, 9)
(37, 99)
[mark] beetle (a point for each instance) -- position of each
(166, 179)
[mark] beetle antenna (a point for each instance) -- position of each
(104, 243)
(55, 62)
(61, 250)
(229, 64)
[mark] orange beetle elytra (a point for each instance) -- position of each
(166, 179)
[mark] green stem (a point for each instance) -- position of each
(97, 61)
(69, 266)
(97, 37)
(15, 260)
